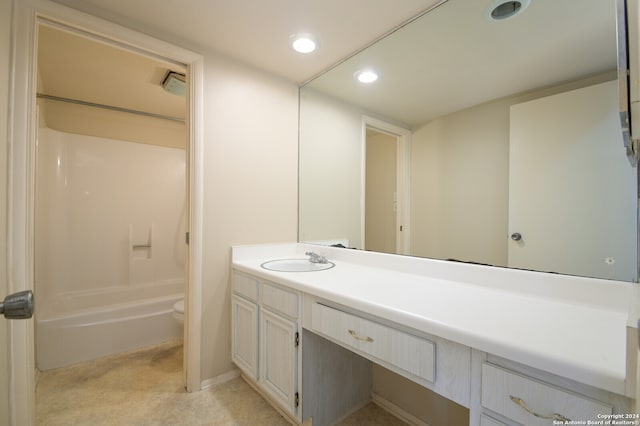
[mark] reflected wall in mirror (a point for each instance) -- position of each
(514, 156)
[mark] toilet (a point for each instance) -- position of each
(178, 311)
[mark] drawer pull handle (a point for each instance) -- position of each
(555, 416)
(364, 339)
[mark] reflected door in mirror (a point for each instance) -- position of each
(381, 192)
(571, 190)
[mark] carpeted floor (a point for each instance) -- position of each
(145, 387)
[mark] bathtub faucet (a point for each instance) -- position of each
(316, 258)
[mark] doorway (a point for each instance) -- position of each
(386, 187)
(28, 16)
(110, 198)
(381, 194)
(104, 169)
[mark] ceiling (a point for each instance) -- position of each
(431, 68)
(456, 68)
(257, 32)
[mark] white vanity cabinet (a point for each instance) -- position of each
(265, 338)
(308, 340)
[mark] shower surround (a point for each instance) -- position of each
(109, 246)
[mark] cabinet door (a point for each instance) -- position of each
(278, 356)
(244, 335)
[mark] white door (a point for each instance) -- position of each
(386, 187)
(20, 335)
(572, 191)
(381, 196)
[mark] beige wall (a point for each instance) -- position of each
(250, 184)
(83, 120)
(5, 27)
(460, 182)
(330, 165)
(426, 405)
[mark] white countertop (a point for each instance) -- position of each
(524, 316)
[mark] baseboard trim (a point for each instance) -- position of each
(396, 411)
(218, 380)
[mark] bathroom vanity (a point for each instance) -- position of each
(514, 347)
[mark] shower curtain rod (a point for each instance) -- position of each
(109, 107)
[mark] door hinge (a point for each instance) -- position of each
(186, 237)
(297, 339)
(297, 399)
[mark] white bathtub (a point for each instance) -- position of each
(68, 338)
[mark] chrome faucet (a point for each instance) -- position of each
(316, 258)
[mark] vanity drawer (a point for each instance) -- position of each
(280, 300)
(245, 285)
(508, 393)
(409, 353)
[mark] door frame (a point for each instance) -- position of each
(27, 14)
(403, 180)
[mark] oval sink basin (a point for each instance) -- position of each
(296, 265)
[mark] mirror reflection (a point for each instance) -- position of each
(494, 141)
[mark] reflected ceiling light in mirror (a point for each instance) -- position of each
(366, 76)
(303, 43)
(500, 10)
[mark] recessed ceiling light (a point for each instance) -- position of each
(303, 43)
(500, 10)
(366, 76)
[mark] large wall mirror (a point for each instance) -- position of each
(491, 135)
